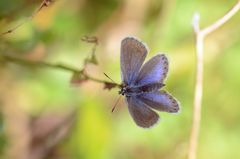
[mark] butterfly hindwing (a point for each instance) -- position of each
(153, 71)
(133, 54)
(141, 83)
(141, 113)
(160, 100)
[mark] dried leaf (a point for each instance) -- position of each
(90, 39)
(110, 85)
(77, 78)
(93, 40)
(92, 59)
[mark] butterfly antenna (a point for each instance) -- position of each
(116, 103)
(109, 77)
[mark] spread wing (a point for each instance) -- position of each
(153, 71)
(133, 54)
(161, 101)
(141, 113)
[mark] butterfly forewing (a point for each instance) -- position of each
(133, 53)
(154, 71)
(141, 113)
(161, 101)
(141, 84)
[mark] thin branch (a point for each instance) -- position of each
(85, 76)
(197, 98)
(91, 40)
(200, 35)
(222, 20)
(45, 3)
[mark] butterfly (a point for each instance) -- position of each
(141, 84)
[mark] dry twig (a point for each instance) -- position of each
(79, 75)
(45, 3)
(200, 35)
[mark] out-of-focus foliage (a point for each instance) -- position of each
(54, 35)
(2, 135)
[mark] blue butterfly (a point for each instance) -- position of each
(141, 84)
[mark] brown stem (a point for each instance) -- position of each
(45, 3)
(16, 60)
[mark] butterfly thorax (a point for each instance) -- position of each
(127, 90)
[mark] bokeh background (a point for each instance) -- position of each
(42, 116)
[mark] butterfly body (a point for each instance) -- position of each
(129, 91)
(142, 83)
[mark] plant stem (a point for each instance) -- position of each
(200, 35)
(16, 60)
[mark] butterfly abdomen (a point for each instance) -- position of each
(150, 87)
(143, 89)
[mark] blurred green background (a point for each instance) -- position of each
(42, 116)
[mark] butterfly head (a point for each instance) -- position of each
(123, 89)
